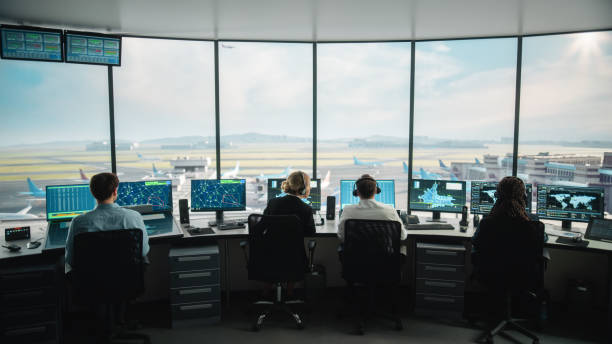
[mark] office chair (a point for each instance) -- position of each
(510, 264)
(371, 257)
(108, 271)
(276, 256)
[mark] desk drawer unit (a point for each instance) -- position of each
(195, 291)
(440, 278)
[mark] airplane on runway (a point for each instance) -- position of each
(35, 191)
(477, 161)
(358, 162)
(144, 158)
(229, 174)
(326, 180)
(283, 174)
(20, 215)
(443, 166)
(83, 177)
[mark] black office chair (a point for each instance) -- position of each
(511, 266)
(371, 257)
(276, 255)
(108, 271)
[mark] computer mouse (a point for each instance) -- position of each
(577, 238)
(33, 244)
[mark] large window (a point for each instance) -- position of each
(266, 113)
(363, 112)
(165, 112)
(54, 125)
(464, 109)
(566, 110)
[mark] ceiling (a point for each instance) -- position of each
(313, 20)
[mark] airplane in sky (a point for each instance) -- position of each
(147, 158)
(35, 191)
(358, 162)
(443, 166)
(20, 215)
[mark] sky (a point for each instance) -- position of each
(464, 90)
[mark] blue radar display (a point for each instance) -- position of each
(157, 193)
(437, 195)
(215, 194)
(386, 195)
(313, 200)
(483, 197)
(28, 43)
(570, 203)
(65, 202)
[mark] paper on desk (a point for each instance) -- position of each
(565, 234)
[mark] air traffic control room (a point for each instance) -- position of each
(289, 171)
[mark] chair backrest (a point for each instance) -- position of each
(276, 248)
(371, 251)
(511, 258)
(108, 265)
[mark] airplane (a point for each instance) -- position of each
(34, 190)
(83, 177)
(358, 162)
(477, 161)
(232, 173)
(142, 157)
(453, 177)
(443, 166)
(283, 174)
(325, 181)
(157, 173)
(20, 215)
(429, 175)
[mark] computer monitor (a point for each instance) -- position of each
(313, 200)
(483, 197)
(386, 195)
(31, 43)
(569, 203)
(437, 196)
(65, 202)
(157, 193)
(218, 195)
(93, 48)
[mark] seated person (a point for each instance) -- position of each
(106, 216)
(297, 187)
(369, 209)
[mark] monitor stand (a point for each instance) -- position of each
(219, 219)
(436, 218)
(566, 225)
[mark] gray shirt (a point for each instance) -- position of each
(105, 217)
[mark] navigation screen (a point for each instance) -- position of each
(65, 202)
(214, 194)
(571, 203)
(437, 195)
(31, 44)
(93, 49)
(314, 200)
(157, 193)
(483, 197)
(386, 195)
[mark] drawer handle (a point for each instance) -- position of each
(192, 259)
(440, 268)
(23, 295)
(441, 253)
(192, 307)
(21, 332)
(194, 275)
(439, 299)
(194, 291)
(441, 284)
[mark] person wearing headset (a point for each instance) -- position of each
(368, 208)
(297, 188)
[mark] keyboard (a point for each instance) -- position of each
(213, 223)
(200, 230)
(427, 226)
(230, 225)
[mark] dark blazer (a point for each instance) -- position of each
(292, 205)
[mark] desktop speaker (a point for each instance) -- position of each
(331, 208)
(183, 211)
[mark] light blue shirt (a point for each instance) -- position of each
(105, 217)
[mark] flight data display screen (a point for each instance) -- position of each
(313, 200)
(386, 195)
(157, 193)
(214, 194)
(93, 49)
(572, 203)
(483, 197)
(68, 201)
(437, 195)
(31, 44)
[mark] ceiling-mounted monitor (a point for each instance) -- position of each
(93, 48)
(31, 43)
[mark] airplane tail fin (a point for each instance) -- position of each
(33, 188)
(442, 164)
(423, 173)
(83, 176)
(405, 165)
(139, 155)
(477, 161)
(453, 177)
(356, 161)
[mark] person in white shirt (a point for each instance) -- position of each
(368, 208)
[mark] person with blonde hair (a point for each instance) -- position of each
(297, 188)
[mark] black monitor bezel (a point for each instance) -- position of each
(93, 34)
(46, 201)
(437, 210)
(588, 234)
(170, 209)
(529, 209)
(567, 219)
(318, 180)
(202, 210)
(377, 180)
(34, 28)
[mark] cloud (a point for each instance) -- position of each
(442, 48)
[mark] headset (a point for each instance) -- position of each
(356, 193)
(302, 190)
